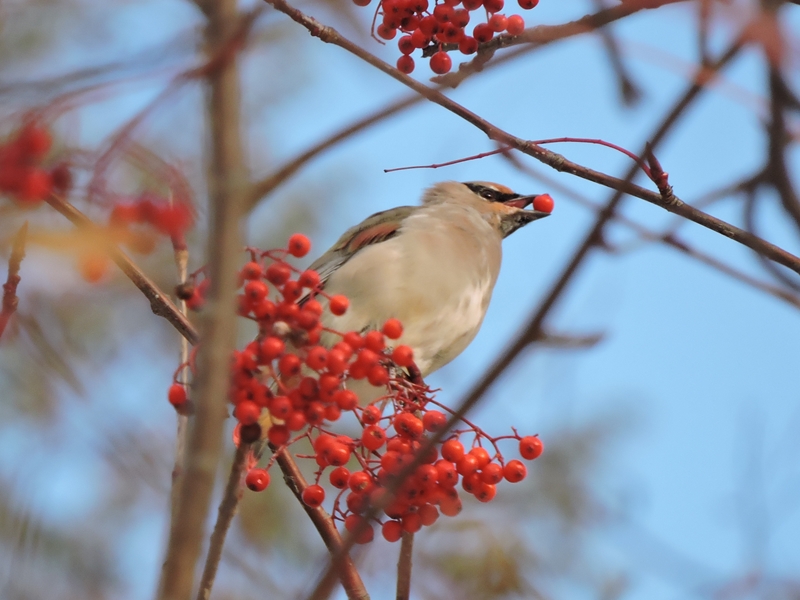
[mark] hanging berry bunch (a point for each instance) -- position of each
(448, 25)
(23, 175)
(293, 383)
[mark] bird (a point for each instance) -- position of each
(432, 266)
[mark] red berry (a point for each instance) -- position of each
(313, 496)
(544, 203)
(450, 33)
(433, 420)
(420, 40)
(492, 473)
(446, 473)
(467, 465)
(374, 341)
(486, 492)
(460, 18)
(441, 63)
(251, 270)
(452, 450)
(354, 523)
(339, 477)
(515, 471)
(378, 376)
(408, 425)
(177, 395)
(530, 447)
(493, 6)
(468, 45)
(361, 2)
(498, 23)
(483, 33)
(289, 365)
(257, 479)
(392, 531)
(428, 513)
(472, 4)
(256, 291)
(373, 437)
(308, 279)
(412, 522)
(429, 25)
(339, 304)
(247, 412)
(403, 356)
(61, 176)
(359, 481)
(337, 454)
(278, 435)
(317, 358)
(393, 329)
(371, 415)
(345, 399)
(528, 4)
(443, 13)
(516, 25)
(270, 349)
(481, 455)
(450, 506)
(298, 245)
(278, 273)
(35, 141)
(35, 186)
(385, 32)
(405, 45)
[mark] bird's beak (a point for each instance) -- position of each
(517, 219)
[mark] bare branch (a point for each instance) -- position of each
(227, 510)
(10, 300)
(668, 202)
(404, 566)
(160, 303)
(227, 195)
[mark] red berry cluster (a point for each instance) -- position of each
(168, 218)
(288, 381)
(443, 28)
(21, 172)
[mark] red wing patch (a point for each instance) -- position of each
(372, 235)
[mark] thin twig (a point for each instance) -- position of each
(322, 521)
(10, 299)
(539, 37)
(668, 238)
(404, 566)
(227, 197)
(668, 202)
(531, 332)
(160, 303)
(227, 510)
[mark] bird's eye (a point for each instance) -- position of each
(489, 194)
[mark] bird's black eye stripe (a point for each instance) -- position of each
(491, 194)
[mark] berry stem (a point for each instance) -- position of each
(404, 566)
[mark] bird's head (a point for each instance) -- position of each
(504, 209)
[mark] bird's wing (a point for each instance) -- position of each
(373, 230)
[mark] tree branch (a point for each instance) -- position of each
(227, 197)
(668, 202)
(227, 510)
(10, 300)
(160, 303)
(404, 566)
